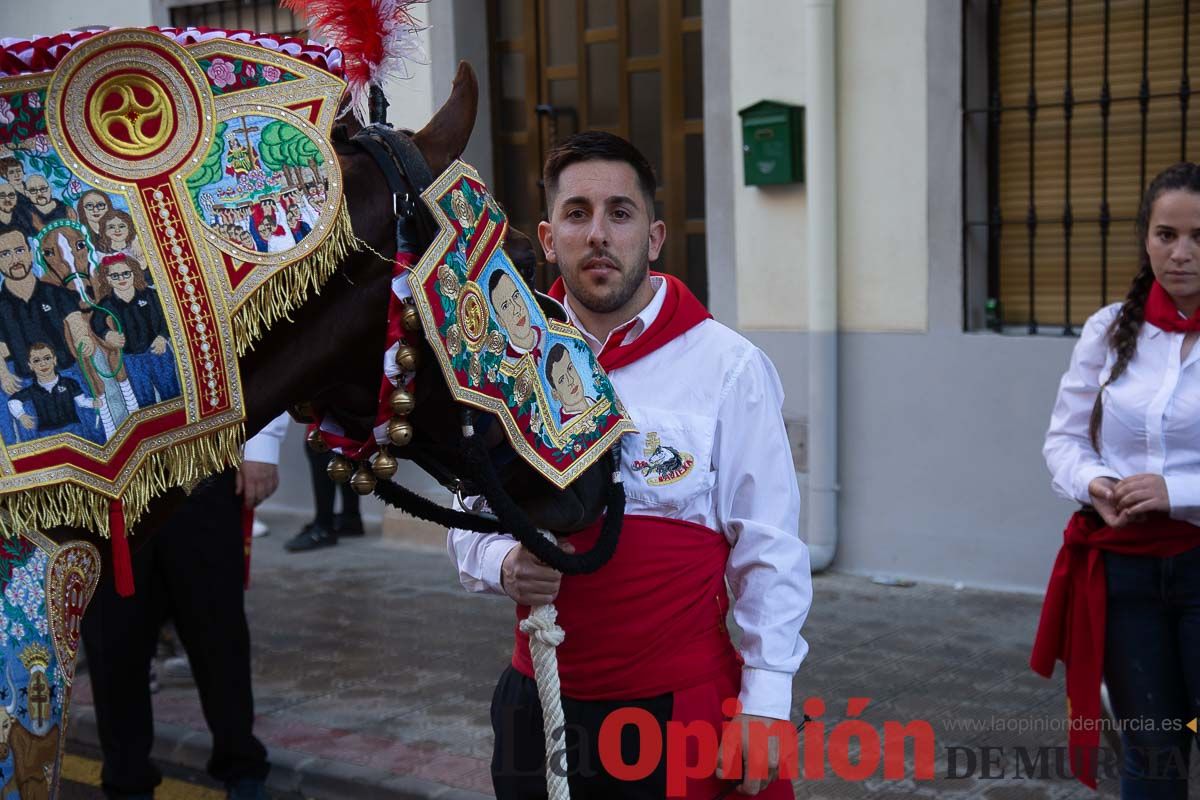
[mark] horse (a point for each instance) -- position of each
(329, 352)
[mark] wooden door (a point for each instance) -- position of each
(630, 67)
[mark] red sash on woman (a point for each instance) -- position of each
(1074, 615)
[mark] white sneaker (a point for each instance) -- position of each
(260, 528)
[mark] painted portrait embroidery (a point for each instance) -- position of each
(498, 350)
(262, 185)
(155, 218)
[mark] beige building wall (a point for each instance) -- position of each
(19, 19)
(770, 222)
(883, 263)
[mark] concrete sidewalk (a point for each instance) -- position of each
(373, 673)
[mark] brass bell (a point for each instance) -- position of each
(317, 442)
(363, 481)
(384, 465)
(410, 318)
(408, 358)
(339, 469)
(399, 431)
(402, 402)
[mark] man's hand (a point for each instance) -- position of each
(753, 761)
(1101, 491)
(1139, 495)
(527, 579)
(256, 482)
(9, 382)
(158, 346)
(115, 340)
(26, 422)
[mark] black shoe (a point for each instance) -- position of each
(312, 537)
(345, 525)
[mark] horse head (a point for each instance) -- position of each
(330, 352)
(65, 252)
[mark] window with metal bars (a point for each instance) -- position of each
(1070, 107)
(260, 16)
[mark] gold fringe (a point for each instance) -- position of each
(72, 505)
(292, 285)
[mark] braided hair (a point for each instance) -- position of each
(1123, 333)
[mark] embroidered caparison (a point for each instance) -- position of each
(166, 195)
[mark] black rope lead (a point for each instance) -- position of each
(511, 518)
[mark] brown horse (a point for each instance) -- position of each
(330, 352)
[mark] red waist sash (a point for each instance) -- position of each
(650, 621)
(1074, 616)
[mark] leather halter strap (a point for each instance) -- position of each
(404, 168)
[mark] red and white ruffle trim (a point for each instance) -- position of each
(25, 56)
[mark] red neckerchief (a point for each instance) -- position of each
(680, 312)
(1074, 616)
(1162, 313)
(535, 351)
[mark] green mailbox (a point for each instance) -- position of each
(772, 143)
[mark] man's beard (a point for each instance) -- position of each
(608, 299)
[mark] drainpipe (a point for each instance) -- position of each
(821, 159)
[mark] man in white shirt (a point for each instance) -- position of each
(192, 571)
(647, 630)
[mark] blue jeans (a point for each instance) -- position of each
(1152, 668)
(148, 372)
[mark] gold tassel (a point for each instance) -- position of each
(291, 286)
(71, 505)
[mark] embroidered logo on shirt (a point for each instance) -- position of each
(60, 389)
(663, 464)
(46, 307)
(142, 303)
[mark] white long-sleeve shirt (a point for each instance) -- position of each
(712, 395)
(263, 447)
(1151, 418)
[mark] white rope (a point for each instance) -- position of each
(544, 635)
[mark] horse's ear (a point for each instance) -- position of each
(445, 136)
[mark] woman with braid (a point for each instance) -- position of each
(1124, 441)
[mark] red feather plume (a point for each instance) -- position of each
(376, 37)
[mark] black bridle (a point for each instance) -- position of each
(408, 175)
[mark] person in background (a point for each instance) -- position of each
(1124, 442)
(191, 571)
(326, 527)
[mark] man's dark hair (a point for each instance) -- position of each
(8, 162)
(5, 230)
(557, 354)
(598, 146)
(494, 281)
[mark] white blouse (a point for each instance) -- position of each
(1151, 418)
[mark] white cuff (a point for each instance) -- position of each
(1088, 473)
(263, 448)
(1183, 492)
(766, 693)
(493, 559)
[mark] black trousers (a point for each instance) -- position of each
(518, 758)
(191, 571)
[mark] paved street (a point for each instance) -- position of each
(373, 674)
